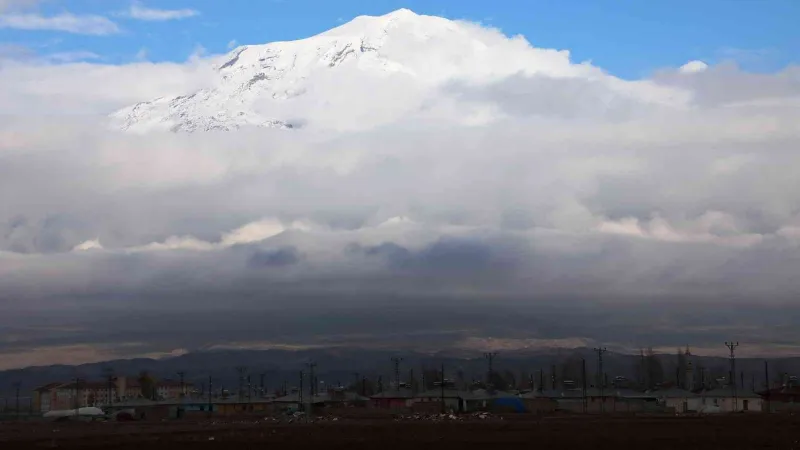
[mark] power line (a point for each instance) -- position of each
(583, 388)
(732, 378)
(110, 379)
(241, 370)
(249, 389)
(397, 360)
(444, 409)
(181, 374)
(313, 389)
(16, 408)
(600, 352)
(210, 391)
(300, 392)
(766, 383)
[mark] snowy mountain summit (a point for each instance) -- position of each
(369, 71)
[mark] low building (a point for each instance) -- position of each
(454, 401)
(594, 400)
(495, 401)
(146, 409)
(332, 398)
(395, 399)
(81, 394)
(128, 388)
(785, 398)
(173, 389)
(44, 397)
(679, 400)
(722, 400)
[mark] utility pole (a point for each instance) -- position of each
(583, 390)
(732, 378)
(77, 396)
(311, 379)
(300, 392)
(442, 390)
(645, 383)
(16, 388)
(397, 360)
(241, 370)
(261, 384)
(210, 391)
(541, 380)
(600, 352)
(312, 389)
(490, 359)
(181, 374)
(110, 386)
(766, 382)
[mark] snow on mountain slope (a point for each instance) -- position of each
(367, 72)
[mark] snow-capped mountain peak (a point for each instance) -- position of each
(251, 77)
(349, 76)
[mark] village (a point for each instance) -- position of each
(143, 397)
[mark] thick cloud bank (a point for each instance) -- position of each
(591, 206)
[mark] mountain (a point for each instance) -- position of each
(367, 72)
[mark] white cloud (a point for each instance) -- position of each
(71, 23)
(35, 89)
(693, 67)
(68, 57)
(141, 55)
(92, 244)
(232, 44)
(10, 5)
(140, 12)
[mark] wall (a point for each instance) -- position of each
(540, 405)
(712, 405)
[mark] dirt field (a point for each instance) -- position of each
(728, 432)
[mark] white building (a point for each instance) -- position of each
(722, 401)
(679, 400)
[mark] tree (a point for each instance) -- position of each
(432, 376)
(365, 387)
(510, 379)
(460, 378)
(148, 385)
(654, 371)
(497, 382)
(680, 377)
(572, 369)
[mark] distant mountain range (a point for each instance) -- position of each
(340, 366)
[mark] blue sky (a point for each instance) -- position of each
(628, 38)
